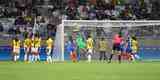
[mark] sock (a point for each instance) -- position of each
(119, 58)
(110, 58)
(74, 57)
(50, 59)
(128, 56)
(47, 59)
(132, 56)
(71, 57)
(25, 57)
(136, 56)
(15, 59)
(89, 58)
(30, 58)
(36, 57)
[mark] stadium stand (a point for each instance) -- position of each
(50, 12)
(111, 9)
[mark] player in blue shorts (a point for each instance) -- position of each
(116, 50)
(128, 50)
(71, 48)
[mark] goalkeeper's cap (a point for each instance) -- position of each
(76, 30)
(77, 27)
(75, 24)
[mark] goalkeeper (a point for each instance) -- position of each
(81, 46)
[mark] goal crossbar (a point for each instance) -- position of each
(109, 23)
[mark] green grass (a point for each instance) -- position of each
(80, 71)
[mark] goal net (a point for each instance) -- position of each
(147, 32)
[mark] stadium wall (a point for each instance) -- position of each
(145, 52)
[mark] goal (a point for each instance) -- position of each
(148, 33)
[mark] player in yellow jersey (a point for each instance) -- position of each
(135, 48)
(33, 49)
(103, 48)
(36, 43)
(27, 48)
(39, 46)
(49, 47)
(89, 44)
(16, 48)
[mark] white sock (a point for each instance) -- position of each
(25, 57)
(30, 58)
(47, 58)
(89, 58)
(15, 59)
(38, 57)
(136, 56)
(133, 57)
(50, 59)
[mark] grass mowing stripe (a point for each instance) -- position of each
(79, 71)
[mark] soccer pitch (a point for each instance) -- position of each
(79, 71)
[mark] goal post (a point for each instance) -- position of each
(71, 25)
(58, 51)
